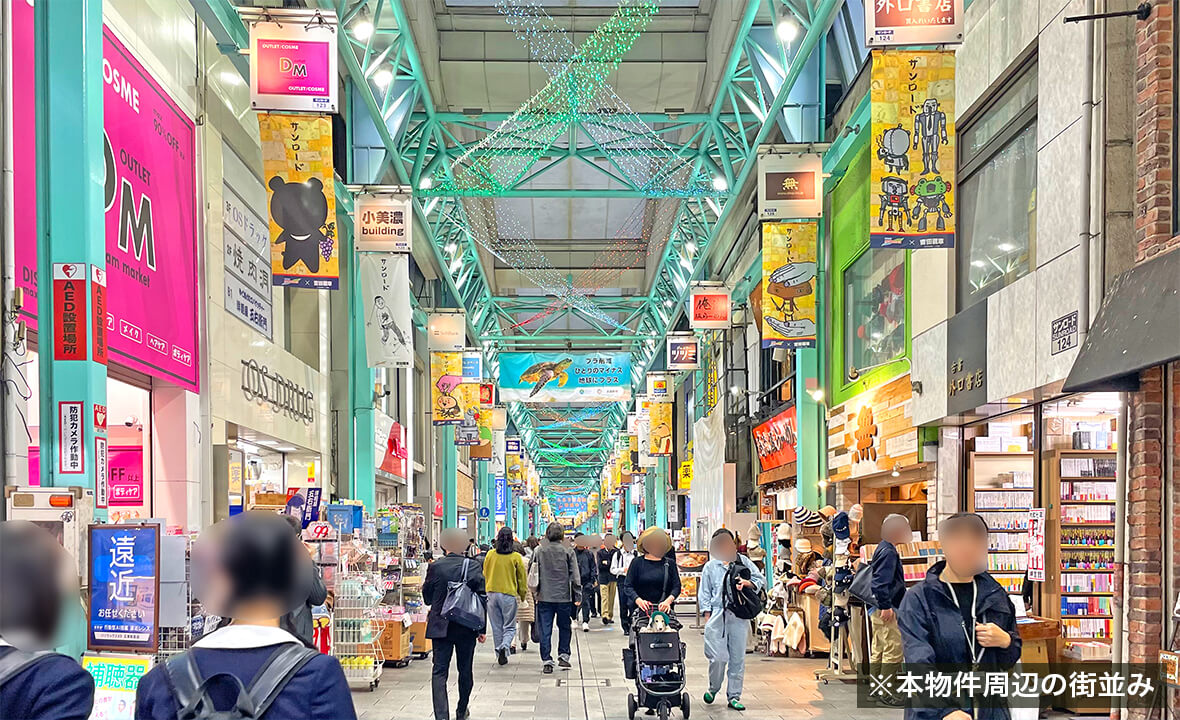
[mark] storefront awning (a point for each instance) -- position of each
(1137, 327)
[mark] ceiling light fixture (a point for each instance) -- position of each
(362, 30)
(1006, 247)
(382, 78)
(719, 184)
(896, 470)
(787, 30)
(426, 183)
(817, 395)
(978, 263)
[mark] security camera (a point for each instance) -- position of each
(131, 421)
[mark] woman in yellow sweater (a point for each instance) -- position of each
(507, 585)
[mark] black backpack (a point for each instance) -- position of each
(192, 691)
(17, 661)
(746, 603)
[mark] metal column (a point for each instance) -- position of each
(485, 498)
(448, 456)
(71, 241)
(362, 466)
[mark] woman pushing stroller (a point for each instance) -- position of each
(655, 656)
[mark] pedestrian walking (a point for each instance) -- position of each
(33, 598)
(619, 565)
(559, 591)
(450, 638)
(298, 622)
(250, 568)
(888, 590)
(507, 587)
(588, 570)
(607, 581)
(726, 573)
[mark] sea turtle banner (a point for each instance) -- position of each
(542, 377)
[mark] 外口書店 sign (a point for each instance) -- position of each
(913, 22)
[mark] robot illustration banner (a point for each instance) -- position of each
(565, 377)
(297, 169)
(788, 284)
(451, 399)
(385, 290)
(912, 176)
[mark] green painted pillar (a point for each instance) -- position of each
(448, 466)
(71, 237)
(661, 492)
(521, 526)
(811, 429)
(485, 498)
(362, 469)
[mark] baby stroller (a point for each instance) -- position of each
(655, 661)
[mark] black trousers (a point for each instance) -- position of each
(590, 602)
(463, 649)
(626, 610)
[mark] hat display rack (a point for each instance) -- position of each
(841, 532)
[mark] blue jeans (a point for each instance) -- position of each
(725, 649)
(502, 618)
(546, 613)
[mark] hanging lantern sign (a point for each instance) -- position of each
(383, 221)
(293, 60)
(446, 332)
(683, 352)
(709, 308)
(790, 186)
(914, 22)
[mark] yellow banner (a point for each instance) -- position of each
(684, 479)
(788, 284)
(912, 173)
(446, 377)
(660, 429)
(301, 194)
(515, 469)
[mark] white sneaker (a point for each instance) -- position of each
(585, 627)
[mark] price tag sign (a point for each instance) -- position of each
(321, 530)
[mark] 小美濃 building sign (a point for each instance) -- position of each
(261, 384)
(966, 358)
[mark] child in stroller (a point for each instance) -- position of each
(654, 659)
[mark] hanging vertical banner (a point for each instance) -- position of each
(788, 284)
(385, 298)
(790, 186)
(446, 376)
(659, 388)
(446, 332)
(515, 467)
(384, 222)
(912, 173)
(98, 312)
(69, 311)
(660, 432)
(293, 61)
(914, 22)
(498, 466)
(683, 352)
(473, 368)
(643, 432)
(501, 495)
(300, 190)
(709, 308)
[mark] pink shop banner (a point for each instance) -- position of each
(152, 290)
(125, 465)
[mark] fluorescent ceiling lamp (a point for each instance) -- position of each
(382, 78)
(362, 30)
(787, 30)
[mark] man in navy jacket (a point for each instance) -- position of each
(960, 617)
(888, 588)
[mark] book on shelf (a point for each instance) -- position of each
(1003, 500)
(1099, 628)
(1073, 605)
(1082, 514)
(1080, 581)
(1083, 467)
(1087, 651)
(1087, 490)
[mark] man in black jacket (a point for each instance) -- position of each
(588, 568)
(606, 581)
(451, 638)
(959, 616)
(888, 588)
(299, 622)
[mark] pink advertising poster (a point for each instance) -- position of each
(292, 67)
(125, 466)
(152, 291)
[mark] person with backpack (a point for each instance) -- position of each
(504, 571)
(253, 569)
(731, 593)
(36, 683)
(298, 622)
(447, 579)
(620, 563)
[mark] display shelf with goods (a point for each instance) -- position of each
(401, 542)
(1002, 490)
(354, 630)
(916, 558)
(1082, 550)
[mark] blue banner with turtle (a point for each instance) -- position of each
(565, 377)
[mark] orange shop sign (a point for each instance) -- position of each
(709, 309)
(914, 22)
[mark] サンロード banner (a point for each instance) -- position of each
(788, 284)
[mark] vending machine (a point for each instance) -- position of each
(65, 512)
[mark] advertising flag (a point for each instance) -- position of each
(912, 173)
(788, 284)
(389, 328)
(446, 377)
(301, 195)
(565, 377)
(660, 430)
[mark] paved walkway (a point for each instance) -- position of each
(595, 689)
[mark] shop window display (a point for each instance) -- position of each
(874, 307)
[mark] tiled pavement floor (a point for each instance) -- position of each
(595, 689)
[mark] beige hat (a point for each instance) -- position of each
(802, 545)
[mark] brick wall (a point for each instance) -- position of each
(1153, 444)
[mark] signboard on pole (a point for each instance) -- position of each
(98, 313)
(124, 582)
(659, 389)
(709, 308)
(790, 186)
(913, 22)
(446, 332)
(301, 191)
(246, 241)
(683, 352)
(788, 284)
(293, 61)
(1036, 544)
(71, 438)
(912, 188)
(501, 498)
(385, 299)
(775, 440)
(384, 222)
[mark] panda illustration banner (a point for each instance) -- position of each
(788, 284)
(385, 291)
(300, 192)
(912, 173)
